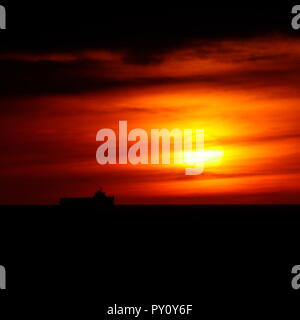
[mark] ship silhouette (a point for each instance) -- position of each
(98, 200)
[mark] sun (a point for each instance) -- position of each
(206, 157)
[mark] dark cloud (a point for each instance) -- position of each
(34, 78)
(143, 36)
(145, 31)
(273, 197)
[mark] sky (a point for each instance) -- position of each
(235, 75)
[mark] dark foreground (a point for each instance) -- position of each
(225, 260)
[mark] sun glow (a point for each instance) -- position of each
(208, 157)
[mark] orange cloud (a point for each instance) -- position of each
(243, 94)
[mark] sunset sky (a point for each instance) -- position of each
(240, 83)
